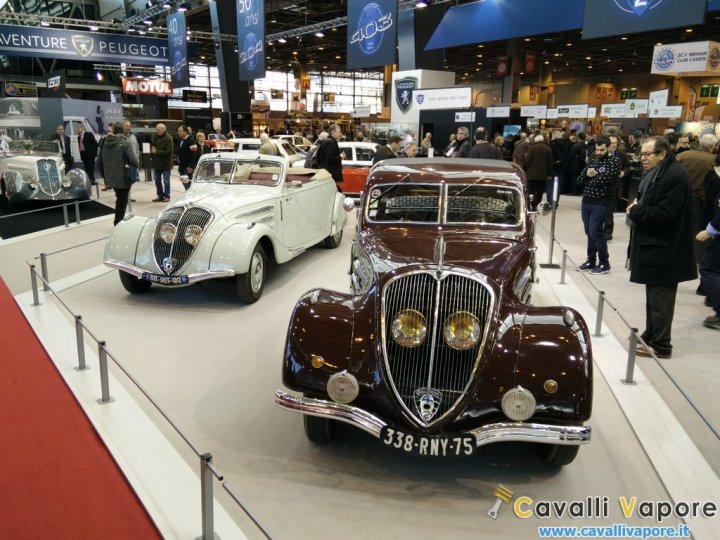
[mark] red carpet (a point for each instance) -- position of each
(57, 479)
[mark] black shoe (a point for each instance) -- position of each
(587, 265)
(707, 302)
(610, 237)
(712, 322)
(700, 291)
(642, 351)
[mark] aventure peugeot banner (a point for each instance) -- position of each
(371, 33)
(83, 46)
(177, 44)
(251, 39)
(618, 17)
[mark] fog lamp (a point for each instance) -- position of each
(462, 330)
(167, 232)
(409, 328)
(343, 387)
(518, 404)
(193, 234)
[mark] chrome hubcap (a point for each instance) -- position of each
(257, 272)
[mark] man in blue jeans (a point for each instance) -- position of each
(161, 148)
(600, 179)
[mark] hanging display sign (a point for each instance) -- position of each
(251, 39)
(177, 45)
(533, 111)
(155, 87)
(658, 99)
(592, 112)
(442, 98)
(371, 33)
(194, 96)
(37, 41)
(666, 112)
(498, 112)
(468, 116)
(551, 113)
(614, 110)
(636, 106)
(697, 58)
(573, 111)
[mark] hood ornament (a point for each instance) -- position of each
(440, 248)
(427, 402)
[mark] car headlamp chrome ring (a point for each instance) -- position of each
(192, 234)
(167, 232)
(518, 404)
(462, 330)
(409, 328)
(343, 387)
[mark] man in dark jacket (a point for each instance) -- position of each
(538, 167)
(88, 146)
(187, 155)
(463, 147)
(710, 270)
(116, 156)
(328, 154)
(64, 142)
(483, 149)
(161, 148)
(576, 163)
(388, 151)
(661, 241)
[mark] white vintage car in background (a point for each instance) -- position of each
(243, 211)
(34, 171)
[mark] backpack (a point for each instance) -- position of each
(311, 160)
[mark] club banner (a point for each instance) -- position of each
(177, 45)
(251, 39)
(503, 66)
(371, 33)
(55, 84)
(36, 41)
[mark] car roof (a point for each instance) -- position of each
(358, 144)
(432, 170)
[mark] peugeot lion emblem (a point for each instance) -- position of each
(404, 92)
(427, 402)
(83, 45)
(638, 7)
(168, 264)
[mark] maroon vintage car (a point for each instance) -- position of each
(437, 350)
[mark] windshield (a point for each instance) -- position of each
(230, 171)
(405, 202)
(482, 203)
(30, 146)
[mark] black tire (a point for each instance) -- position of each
(318, 430)
(132, 284)
(250, 285)
(333, 241)
(557, 455)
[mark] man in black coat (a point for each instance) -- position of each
(661, 241)
(187, 154)
(388, 151)
(328, 154)
(65, 150)
(483, 149)
(462, 150)
(88, 150)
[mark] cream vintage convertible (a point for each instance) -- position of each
(242, 211)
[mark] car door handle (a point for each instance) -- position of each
(288, 199)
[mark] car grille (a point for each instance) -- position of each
(433, 367)
(49, 176)
(171, 258)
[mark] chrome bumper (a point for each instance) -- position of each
(192, 278)
(491, 433)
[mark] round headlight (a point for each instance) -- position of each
(66, 183)
(462, 330)
(167, 232)
(34, 182)
(343, 387)
(409, 328)
(193, 234)
(518, 404)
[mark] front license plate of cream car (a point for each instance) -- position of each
(423, 445)
(165, 280)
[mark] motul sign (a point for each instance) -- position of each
(146, 86)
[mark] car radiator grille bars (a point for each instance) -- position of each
(433, 367)
(172, 256)
(49, 177)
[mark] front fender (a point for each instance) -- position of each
(129, 237)
(234, 246)
(339, 213)
(321, 325)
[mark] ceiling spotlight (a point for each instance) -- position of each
(44, 23)
(319, 34)
(131, 29)
(93, 28)
(182, 7)
(167, 4)
(421, 4)
(148, 22)
(142, 32)
(282, 40)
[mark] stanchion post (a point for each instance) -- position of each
(79, 334)
(104, 374)
(629, 371)
(65, 215)
(552, 227)
(44, 271)
(599, 319)
(33, 280)
(206, 494)
(77, 212)
(563, 267)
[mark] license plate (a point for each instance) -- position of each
(422, 445)
(165, 280)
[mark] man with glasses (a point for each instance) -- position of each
(600, 179)
(661, 241)
(462, 150)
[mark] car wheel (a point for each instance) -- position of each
(333, 241)
(318, 430)
(557, 455)
(250, 285)
(132, 284)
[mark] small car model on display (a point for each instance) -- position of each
(241, 212)
(436, 350)
(35, 171)
(216, 142)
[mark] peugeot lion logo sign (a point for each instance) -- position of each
(638, 7)
(427, 402)
(83, 45)
(404, 92)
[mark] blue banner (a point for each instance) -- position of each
(251, 39)
(371, 33)
(493, 21)
(713, 5)
(37, 41)
(177, 44)
(618, 17)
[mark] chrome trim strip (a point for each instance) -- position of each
(490, 433)
(255, 211)
(192, 278)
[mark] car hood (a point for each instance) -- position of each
(223, 198)
(491, 253)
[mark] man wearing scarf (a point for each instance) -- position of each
(661, 241)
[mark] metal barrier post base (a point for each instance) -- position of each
(549, 265)
(101, 402)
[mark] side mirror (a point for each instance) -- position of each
(348, 204)
(184, 178)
